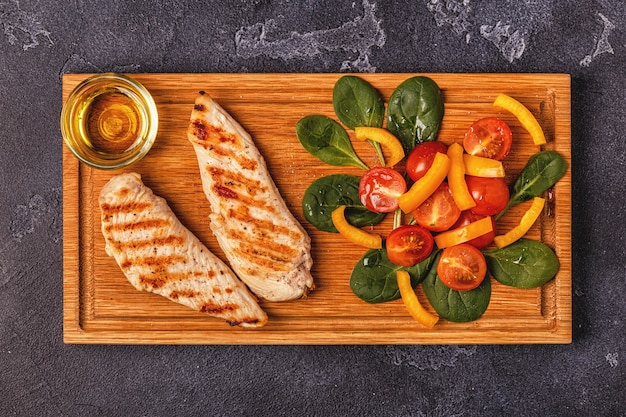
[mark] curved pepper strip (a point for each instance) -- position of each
(425, 186)
(352, 233)
(528, 219)
(456, 178)
(464, 233)
(412, 303)
(525, 117)
(479, 166)
(385, 138)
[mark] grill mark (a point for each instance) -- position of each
(142, 224)
(141, 244)
(247, 320)
(235, 179)
(263, 247)
(261, 261)
(245, 200)
(222, 143)
(155, 282)
(158, 278)
(130, 207)
(175, 295)
(160, 262)
(212, 308)
(225, 192)
(262, 227)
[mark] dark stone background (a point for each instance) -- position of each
(42, 39)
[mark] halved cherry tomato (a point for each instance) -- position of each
(408, 245)
(439, 212)
(491, 194)
(421, 158)
(380, 189)
(462, 267)
(489, 137)
(467, 217)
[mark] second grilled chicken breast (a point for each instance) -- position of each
(158, 254)
(265, 245)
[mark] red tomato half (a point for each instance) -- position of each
(461, 267)
(467, 217)
(490, 194)
(439, 212)
(380, 189)
(421, 158)
(409, 245)
(489, 137)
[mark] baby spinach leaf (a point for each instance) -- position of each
(327, 140)
(374, 280)
(452, 305)
(524, 264)
(327, 193)
(415, 111)
(357, 103)
(541, 172)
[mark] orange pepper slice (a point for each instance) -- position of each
(528, 219)
(412, 303)
(525, 117)
(385, 138)
(456, 178)
(479, 166)
(464, 233)
(352, 233)
(425, 186)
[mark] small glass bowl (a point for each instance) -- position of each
(109, 121)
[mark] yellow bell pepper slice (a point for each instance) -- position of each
(412, 303)
(425, 186)
(479, 166)
(352, 233)
(528, 219)
(456, 178)
(385, 138)
(525, 117)
(464, 233)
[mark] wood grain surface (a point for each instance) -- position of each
(101, 306)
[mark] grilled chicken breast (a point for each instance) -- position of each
(158, 254)
(265, 245)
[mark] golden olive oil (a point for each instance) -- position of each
(111, 121)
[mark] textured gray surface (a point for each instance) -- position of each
(41, 40)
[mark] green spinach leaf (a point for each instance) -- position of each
(357, 103)
(541, 172)
(452, 305)
(327, 140)
(327, 193)
(415, 111)
(374, 280)
(524, 264)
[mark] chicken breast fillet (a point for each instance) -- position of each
(158, 254)
(265, 245)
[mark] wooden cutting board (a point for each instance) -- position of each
(101, 306)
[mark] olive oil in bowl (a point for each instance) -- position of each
(109, 121)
